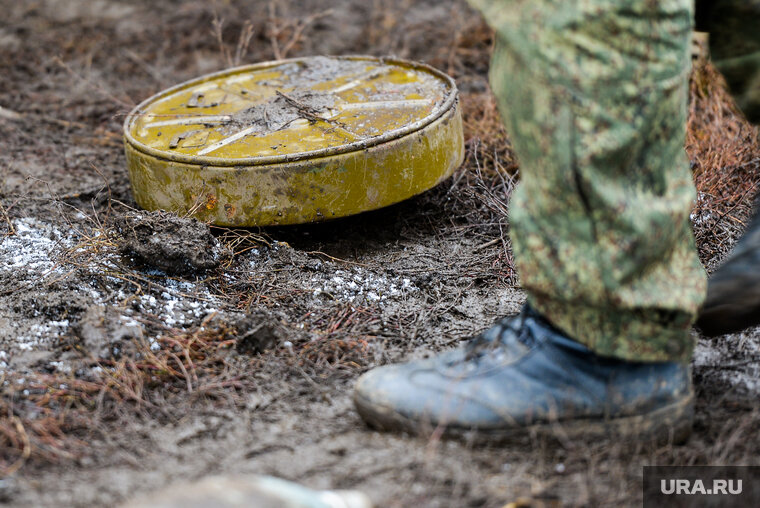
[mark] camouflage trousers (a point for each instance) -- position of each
(594, 96)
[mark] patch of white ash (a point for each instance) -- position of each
(174, 303)
(747, 372)
(30, 255)
(60, 366)
(699, 218)
(359, 283)
(735, 360)
(34, 337)
(35, 248)
(705, 354)
(37, 252)
(355, 284)
(701, 213)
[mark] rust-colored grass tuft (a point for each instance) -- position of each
(487, 141)
(725, 154)
(39, 418)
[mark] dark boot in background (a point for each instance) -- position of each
(733, 292)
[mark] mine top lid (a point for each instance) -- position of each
(289, 110)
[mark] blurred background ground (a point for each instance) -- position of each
(118, 378)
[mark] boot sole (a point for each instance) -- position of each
(669, 424)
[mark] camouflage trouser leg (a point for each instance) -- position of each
(734, 27)
(594, 96)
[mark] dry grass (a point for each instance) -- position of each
(725, 153)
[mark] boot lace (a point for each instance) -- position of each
(501, 338)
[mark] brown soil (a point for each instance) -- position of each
(176, 245)
(235, 352)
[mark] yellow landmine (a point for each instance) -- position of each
(295, 141)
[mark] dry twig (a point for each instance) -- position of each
(277, 27)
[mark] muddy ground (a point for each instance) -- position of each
(234, 351)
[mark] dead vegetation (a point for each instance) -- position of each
(725, 155)
(280, 326)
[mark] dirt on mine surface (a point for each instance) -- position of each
(138, 349)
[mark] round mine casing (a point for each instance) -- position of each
(295, 141)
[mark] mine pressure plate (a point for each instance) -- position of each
(295, 141)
